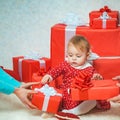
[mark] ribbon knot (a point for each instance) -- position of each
(47, 90)
(105, 9)
(105, 16)
(82, 81)
(72, 19)
(32, 55)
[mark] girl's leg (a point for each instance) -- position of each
(82, 108)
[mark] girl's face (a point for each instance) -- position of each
(76, 57)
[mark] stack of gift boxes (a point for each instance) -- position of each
(103, 34)
(32, 69)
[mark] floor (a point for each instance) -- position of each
(11, 107)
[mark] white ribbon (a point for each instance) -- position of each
(20, 68)
(104, 18)
(71, 19)
(47, 91)
(32, 55)
(70, 31)
(103, 23)
(42, 63)
(110, 57)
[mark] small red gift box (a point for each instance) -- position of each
(101, 90)
(108, 67)
(26, 67)
(46, 102)
(98, 13)
(107, 24)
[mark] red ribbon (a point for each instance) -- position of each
(105, 9)
(41, 72)
(82, 82)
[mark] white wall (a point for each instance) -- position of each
(25, 24)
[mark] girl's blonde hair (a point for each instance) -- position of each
(80, 42)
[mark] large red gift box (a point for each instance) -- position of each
(97, 13)
(108, 67)
(104, 42)
(106, 24)
(48, 103)
(102, 90)
(26, 67)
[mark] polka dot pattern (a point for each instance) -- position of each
(68, 73)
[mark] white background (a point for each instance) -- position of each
(25, 24)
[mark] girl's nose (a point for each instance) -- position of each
(74, 58)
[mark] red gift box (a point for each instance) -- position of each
(48, 103)
(101, 90)
(104, 42)
(98, 13)
(107, 24)
(26, 67)
(108, 67)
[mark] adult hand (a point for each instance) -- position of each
(24, 93)
(116, 78)
(116, 99)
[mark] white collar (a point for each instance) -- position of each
(83, 66)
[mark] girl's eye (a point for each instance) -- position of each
(78, 56)
(70, 55)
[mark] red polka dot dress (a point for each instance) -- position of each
(68, 73)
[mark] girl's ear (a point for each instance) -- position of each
(88, 54)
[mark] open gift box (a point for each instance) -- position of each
(47, 99)
(101, 90)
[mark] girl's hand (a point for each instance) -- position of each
(46, 78)
(97, 76)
